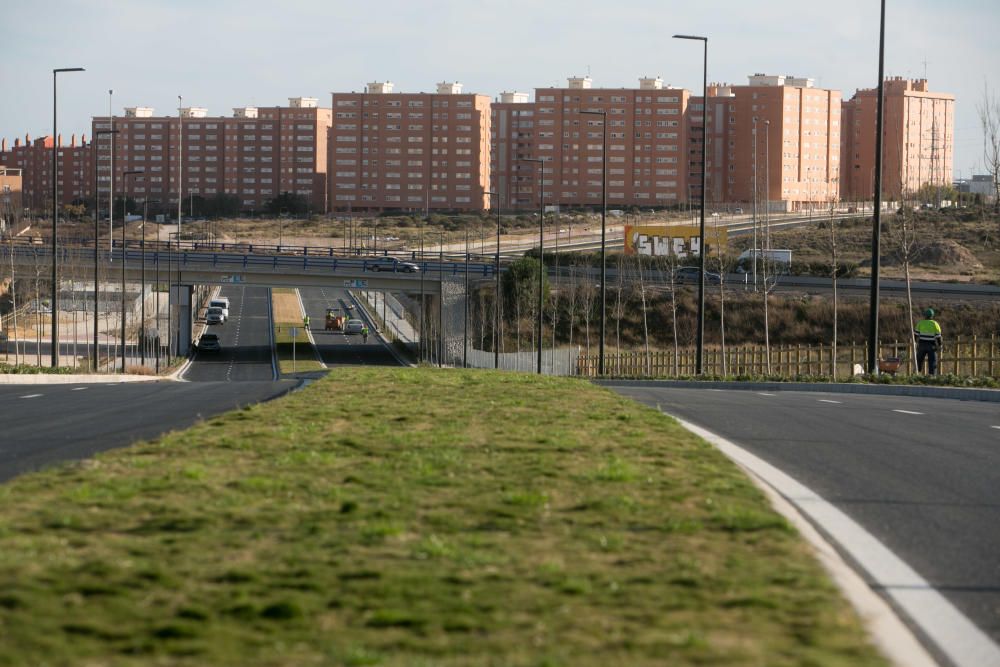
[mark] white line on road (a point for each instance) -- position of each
(764, 393)
(957, 637)
(827, 400)
(996, 427)
(908, 412)
(31, 396)
(80, 388)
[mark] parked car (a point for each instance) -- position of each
(392, 264)
(209, 342)
(215, 315)
(689, 275)
(354, 327)
(223, 303)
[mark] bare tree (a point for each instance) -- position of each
(619, 311)
(989, 119)
(723, 267)
(645, 321)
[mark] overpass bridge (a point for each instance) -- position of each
(439, 278)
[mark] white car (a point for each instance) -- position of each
(215, 315)
(223, 304)
(354, 327)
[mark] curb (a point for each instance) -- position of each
(959, 393)
(47, 378)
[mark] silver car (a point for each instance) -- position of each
(393, 264)
(215, 315)
(354, 327)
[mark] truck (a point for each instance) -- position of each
(334, 322)
(779, 260)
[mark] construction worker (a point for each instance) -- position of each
(928, 336)
(305, 321)
(364, 333)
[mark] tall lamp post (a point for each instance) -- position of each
(704, 190)
(55, 216)
(97, 206)
(124, 225)
(604, 216)
(877, 215)
(541, 248)
(496, 304)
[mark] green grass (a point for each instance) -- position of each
(414, 517)
(305, 352)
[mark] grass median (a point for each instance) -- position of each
(295, 354)
(415, 517)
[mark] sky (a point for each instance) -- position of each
(221, 54)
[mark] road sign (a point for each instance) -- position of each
(232, 279)
(357, 282)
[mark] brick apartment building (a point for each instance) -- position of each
(646, 139)
(34, 159)
(797, 149)
(918, 146)
(409, 151)
(255, 155)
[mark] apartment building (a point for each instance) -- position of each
(34, 160)
(512, 139)
(779, 134)
(255, 155)
(646, 137)
(409, 151)
(919, 139)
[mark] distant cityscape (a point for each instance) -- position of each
(793, 144)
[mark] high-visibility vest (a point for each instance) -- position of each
(928, 331)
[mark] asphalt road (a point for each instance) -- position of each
(245, 338)
(335, 347)
(920, 474)
(46, 424)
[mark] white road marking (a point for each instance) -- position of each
(827, 400)
(80, 388)
(996, 427)
(31, 396)
(908, 412)
(954, 634)
(764, 393)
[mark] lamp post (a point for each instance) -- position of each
(541, 248)
(704, 187)
(97, 206)
(180, 208)
(604, 215)
(496, 304)
(877, 214)
(124, 225)
(55, 216)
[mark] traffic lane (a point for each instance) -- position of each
(246, 353)
(922, 475)
(49, 424)
(335, 347)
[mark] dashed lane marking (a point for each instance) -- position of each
(764, 393)
(31, 396)
(996, 427)
(80, 388)
(908, 412)
(827, 400)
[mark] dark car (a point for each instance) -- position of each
(392, 264)
(209, 342)
(688, 275)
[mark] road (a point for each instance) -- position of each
(245, 338)
(920, 474)
(46, 424)
(336, 348)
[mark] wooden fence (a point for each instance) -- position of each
(962, 356)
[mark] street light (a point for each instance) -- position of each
(496, 304)
(704, 189)
(97, 206)
(877, 215)
(541, 247)
(604, 215)
(55, 217)
(124, 225)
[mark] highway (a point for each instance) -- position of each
(46, 424)
(336, 348)
(920, 474)
(245, 338)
